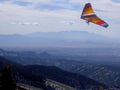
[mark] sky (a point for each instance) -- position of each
(28, 16)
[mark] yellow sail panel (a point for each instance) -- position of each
(95, 20)
(88, 10)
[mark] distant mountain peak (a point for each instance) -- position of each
(1, 50)
(44, 53)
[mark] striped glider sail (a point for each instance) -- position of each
(89, 15)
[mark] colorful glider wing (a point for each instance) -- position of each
(89, 15)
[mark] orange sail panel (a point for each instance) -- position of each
(89, 15)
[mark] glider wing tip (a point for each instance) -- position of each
(88, 3)
(106, 25)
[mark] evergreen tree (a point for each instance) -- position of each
(7, 80)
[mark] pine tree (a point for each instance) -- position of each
(7, 80)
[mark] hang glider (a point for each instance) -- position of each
(89, 15)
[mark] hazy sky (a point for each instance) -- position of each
(27, 16)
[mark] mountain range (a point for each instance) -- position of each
(33, 74)
(104, 69)
(57, 39)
